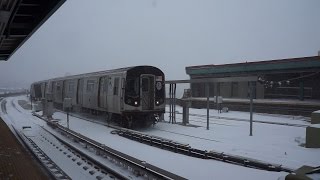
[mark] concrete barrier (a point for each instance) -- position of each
(315, 117)
(312, 136)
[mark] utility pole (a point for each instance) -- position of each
(251, 106)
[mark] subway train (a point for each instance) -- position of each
(129, 95)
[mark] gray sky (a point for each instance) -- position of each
(86, 36)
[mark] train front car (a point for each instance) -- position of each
(144, 98)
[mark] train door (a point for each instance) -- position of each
(63, 90)
(147, 92)
(101, 92)
(37, 91)
(105, 90)
(42, 90)
(79, 91)
(59, 91)
(116, 98)
(123, 82)
(45, 90)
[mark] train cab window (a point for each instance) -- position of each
(90, 86)
(145, 84)
(132, 87)
(116, 86)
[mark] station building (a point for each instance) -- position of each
(294, 78)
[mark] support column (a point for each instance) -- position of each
(185, 115)
(172, 101)
(208, 104)
(301, 91)
(218, 94)
(251, 106)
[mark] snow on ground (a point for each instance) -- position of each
(19, 118)
(272, 143)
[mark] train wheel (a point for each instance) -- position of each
(149, 120)
(130, 123)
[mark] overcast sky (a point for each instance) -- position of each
(86, 36)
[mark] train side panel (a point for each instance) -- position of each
(79, 93)
(71, 90)
(57, 91)
(90, 92)
(102, 92)
(113, 95)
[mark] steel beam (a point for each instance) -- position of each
(209, 80)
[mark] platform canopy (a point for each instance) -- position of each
(19, 19)
(295, 65)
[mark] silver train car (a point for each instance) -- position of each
(127, 95)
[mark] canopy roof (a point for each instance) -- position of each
(19, 19)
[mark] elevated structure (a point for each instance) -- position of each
(294, 78)
(19, 19)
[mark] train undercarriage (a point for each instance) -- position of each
(127, 119)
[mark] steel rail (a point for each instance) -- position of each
(189, 151)
(138, 167)
(105, 169)
(247, 120)
(53, 170)
(3, 106)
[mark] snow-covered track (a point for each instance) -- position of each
(185, 149)
(189, 151)
(135, 166)
(3, 106)
(246, 120)
(51, 167)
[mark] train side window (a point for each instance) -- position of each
(116, 86)
(90, 86)
(71, 87)
(58, 87)
(105, 85)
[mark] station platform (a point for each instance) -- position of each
(15, 160)
(272, 106)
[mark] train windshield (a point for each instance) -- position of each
(132, 87)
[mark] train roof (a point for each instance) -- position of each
(98, 73)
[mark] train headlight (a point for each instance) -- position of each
(136, 103)
(157, 102)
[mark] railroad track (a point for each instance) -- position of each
(289, 109)
(134, 166)
(3, 106)
(193, 152)
(185, 149)
(239, 119)
(14, 105)
(50, 166)
(187, 135)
